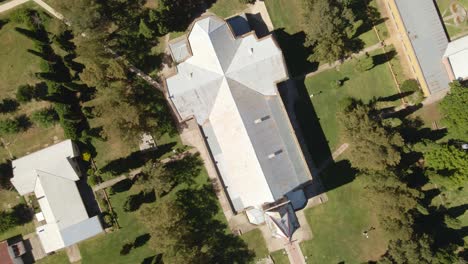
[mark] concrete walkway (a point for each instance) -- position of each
(295, 255)
(137, 171)
(12, 4)
(334, 156)
(49, 9)
(73, 253)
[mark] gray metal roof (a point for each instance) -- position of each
(427, 35)
(229, 85)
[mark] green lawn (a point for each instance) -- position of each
(453, 29)
(280, 257)
(338, 224)
(9, 199)
(18, 67)
(255, 241)
(288, 20)
(106, 247)
(227, 8)
(327, 100)
(59, 257)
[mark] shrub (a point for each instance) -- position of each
(108, 221)
(9, 126)
(24, 93)
(21, 16)
(92, 180)
(410, 85)
(8, 105)
(7, 221)
(45, 117)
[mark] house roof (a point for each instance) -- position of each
(53, 160)
(229, 86)
(49, 173)
(428, 39)
(5, 257)
(457, 53)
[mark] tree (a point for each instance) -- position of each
(46, 117)
(9, 126)
(450, 160)
(365, 63)
(454, 108)
(371, 146)
(157, 177)
(7, 221)
(24, 93)
(144, 30)
(409, 251)
(329, 28)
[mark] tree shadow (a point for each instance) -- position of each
(384, 57)
(435, 225)
(6, 173)
(135, 160)
(157, 259)
(394, 97)
(295, 53)
(457, 211)
(141, 240)
(3, 23)
(122, 186)
(405, 111)
(8, 105)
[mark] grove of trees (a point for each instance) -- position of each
(401, 162)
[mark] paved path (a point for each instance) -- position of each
(49, 9)
(295, 253)
(73, 253)
(329, 66)
(335, 155)
(12, 4)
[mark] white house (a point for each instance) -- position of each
(51, 174)
(229, 85)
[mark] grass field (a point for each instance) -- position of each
(107, 247)
(280, 257)
(338, 224)
(18, 67)
(288, 20)
(227, 8)
(327, 100)
(256, 243)
(59, 257)
(455, 30)
(9, 199)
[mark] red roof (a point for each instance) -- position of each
(5, 257)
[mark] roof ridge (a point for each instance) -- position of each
(51, 174)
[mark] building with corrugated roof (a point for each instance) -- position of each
(51, 174)
(424, 40)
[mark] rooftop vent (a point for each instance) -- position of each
(251, 51)
(258, 121)
(276, 153)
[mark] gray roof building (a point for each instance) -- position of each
(428, 39)
(229, 85)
